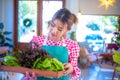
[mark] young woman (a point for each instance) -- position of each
(60, 47)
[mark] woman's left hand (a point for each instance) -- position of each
(68, 68)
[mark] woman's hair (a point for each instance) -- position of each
(74, 19)
(65, 16)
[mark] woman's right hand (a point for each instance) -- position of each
(29, 76)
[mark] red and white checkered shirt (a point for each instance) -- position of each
(72, 47)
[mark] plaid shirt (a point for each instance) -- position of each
(72, 47)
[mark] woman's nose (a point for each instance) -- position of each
(55, 30)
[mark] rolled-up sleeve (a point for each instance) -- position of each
(37, 41)
(73, 59)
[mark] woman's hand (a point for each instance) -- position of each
(68, 68)
(29, 76)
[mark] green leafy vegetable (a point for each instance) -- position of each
(11, 61)
(48, 64)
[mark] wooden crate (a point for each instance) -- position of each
(46, 73)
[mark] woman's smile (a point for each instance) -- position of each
(53, 34)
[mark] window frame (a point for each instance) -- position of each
(19, 45)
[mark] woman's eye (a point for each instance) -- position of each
(59, 29)
(53, 25)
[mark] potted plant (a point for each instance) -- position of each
(4, 40)
(107, 56)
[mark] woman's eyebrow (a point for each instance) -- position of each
(60, 27)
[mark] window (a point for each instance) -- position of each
(96, 30)
(49, 8)
(27, 20)
(32, 17)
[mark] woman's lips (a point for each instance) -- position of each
(53, 34)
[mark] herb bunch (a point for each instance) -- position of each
(28, 57)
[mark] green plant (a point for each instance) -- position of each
(116, 37)
(4, 40)
(72, 36)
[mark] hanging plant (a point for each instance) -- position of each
(27, 22)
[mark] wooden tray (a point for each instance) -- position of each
(37, 72)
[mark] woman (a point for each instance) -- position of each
(64, 49)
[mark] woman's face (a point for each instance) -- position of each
(57, 30)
